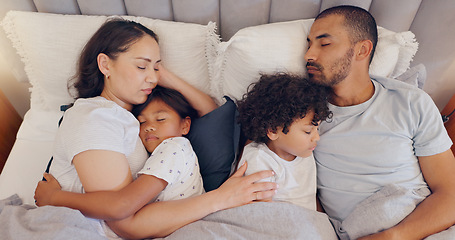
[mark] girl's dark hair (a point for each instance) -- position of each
(115, 36)
(172, 98)
(277, 101)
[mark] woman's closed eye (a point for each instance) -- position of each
(157, 66)
(141, 119)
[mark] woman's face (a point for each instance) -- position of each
(133, 74)
(159, 122)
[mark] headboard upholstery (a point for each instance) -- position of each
(230, 15)
(430, 20)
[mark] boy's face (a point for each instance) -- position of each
(300, 140)
(158, 121)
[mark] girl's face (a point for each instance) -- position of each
(159, 122)
(133, 74)
(300, 140)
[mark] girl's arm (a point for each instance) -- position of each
(200, 101)
(160, 219)
(107, 205)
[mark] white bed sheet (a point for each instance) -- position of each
(20, 175)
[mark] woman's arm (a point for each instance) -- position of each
(106, 205)
(109, 172)
(200, 101)
(100, 170)
(160, 219)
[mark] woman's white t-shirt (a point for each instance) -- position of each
(95, 124)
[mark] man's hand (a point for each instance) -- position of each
(388, 234)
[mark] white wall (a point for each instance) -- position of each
(17, 92)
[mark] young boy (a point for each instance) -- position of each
(281, 115)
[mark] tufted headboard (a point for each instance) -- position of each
(430, 20)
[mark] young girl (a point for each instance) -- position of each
(97, 147)
(281, 114)
(164, 118)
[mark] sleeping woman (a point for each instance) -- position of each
(98, 148)
(170, 173)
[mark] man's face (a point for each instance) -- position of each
(330, 51)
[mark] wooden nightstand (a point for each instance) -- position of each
(450, 124)
(9, 124)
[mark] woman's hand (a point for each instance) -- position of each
(199, 100)
(240, 190)
(45, 190)
(167, 79)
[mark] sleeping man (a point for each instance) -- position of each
(386, 145)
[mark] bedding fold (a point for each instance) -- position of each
(23, 221)
(261, 220)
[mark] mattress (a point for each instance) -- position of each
(30, 154)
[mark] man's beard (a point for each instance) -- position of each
(340, 69)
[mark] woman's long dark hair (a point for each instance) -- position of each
(115, 36)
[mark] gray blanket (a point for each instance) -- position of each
(254, 221)
(276, 220)
(18, 221)
(383, 210)
(262, 220)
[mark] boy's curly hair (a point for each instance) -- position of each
(278, 100)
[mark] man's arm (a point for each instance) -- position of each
(435, 213)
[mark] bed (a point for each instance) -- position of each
(223, 45)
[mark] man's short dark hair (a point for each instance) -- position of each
(358, 21)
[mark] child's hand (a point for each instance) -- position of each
(45, 190)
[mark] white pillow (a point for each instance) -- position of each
(394, 53)
(281, 47)
(50, 44)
